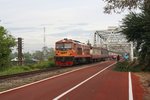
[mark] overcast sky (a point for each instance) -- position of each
(76, 19)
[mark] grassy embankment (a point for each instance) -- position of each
(126, 66)
(20, 69)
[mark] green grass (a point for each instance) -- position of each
(20, 69)
(127, 66)
(14, 70)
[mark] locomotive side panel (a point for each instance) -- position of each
(82, 53)
(99, 54)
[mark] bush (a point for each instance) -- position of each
(127, 66)
(20, 69)
(122, 66)
(136, 68)
(51, 64)
(43, 65)
(14, 70)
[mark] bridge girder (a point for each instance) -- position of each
(114, 41)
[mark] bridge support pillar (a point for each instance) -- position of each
(131, 51)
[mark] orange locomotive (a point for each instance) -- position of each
(71, 52)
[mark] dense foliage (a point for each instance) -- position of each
(127, 66)
(6, 44)
(136, 27)
(118, 6)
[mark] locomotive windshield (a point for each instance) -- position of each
(63, 46)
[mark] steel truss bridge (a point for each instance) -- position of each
(114, 41)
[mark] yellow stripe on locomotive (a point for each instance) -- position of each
(65, 53)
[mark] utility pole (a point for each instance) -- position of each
(44, 48)
(131, 51)
(20, 55)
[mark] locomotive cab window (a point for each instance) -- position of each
(58, 46)
(67, 45)
(63, 46)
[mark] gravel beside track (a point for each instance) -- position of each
(19, 80)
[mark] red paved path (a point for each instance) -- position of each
(103, 87)
(108, 85)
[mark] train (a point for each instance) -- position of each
(70, 52)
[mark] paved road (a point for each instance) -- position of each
(97, 82)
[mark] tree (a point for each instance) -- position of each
(118, 6)
(27, 57)
(6, 44)
(49, 52)
(38, 55)
(13, 55)
(136, 27)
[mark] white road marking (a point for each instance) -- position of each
(46, 79)
(61, 95)
(130, 87)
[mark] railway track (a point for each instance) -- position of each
(24, 74)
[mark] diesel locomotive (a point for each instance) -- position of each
(70, 52)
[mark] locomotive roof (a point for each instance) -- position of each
(64, 40)
(70, 40)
